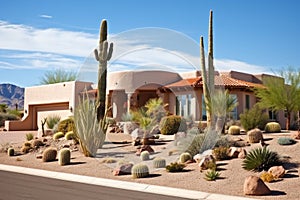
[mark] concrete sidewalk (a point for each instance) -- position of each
(168, 191)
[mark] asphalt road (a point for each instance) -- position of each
(15, 186)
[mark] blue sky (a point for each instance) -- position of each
(249, 36)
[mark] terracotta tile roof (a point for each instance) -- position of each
(220, 80)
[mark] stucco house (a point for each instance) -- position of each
(128, 90)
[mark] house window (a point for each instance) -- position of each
(247, 102)
(184, 105)
(233, 114)
(272, 115)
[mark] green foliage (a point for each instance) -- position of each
(15, 112)
(254, 118)
(212, 175)
(234, 130)
(64, 157)
(49, 154)
(221, 153)
(184, 157)
(26, 147)
(70, 135)
(286, 141)
(175, 167)
(10, 151)
(58, 76)
(155, 109)
(29, 136)
(90, 133)
(267, 177)
(260, 159)
(140, 171)
(159, 163)
(58, 135)
(52, 120)
(272, 127)
(3, 108)
(145, 155)
(172, 124)
(66, 125)
(6, 116)
(212, 165)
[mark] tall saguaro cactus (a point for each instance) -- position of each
(208, 76)
(102, 56)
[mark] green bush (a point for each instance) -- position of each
(254, 118)
(58, 135)
(212, 175)
(66, 125)
(6, 116)
(175, 167)
(184, 157)
(159, 163)
(49, 154)
(64, 157)
(52, 120)
(285, 141)
(170, 125)
(29, 136)
(140, 171)
(272, 127)
(260, 159)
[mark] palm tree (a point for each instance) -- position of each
(281, 93)
(58, 76)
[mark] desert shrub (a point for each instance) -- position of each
(286, 141)
(159, 163)
(254, 135)
(52, 120)
(37, 143)
(212, 165)
(66, 125)
(221, 153)
(267, 177)
(11, 152)
(70, 135)
(234, 130)
(184, 157)
(110, 160)
(175, 167)
(212, 175)
(6, 116)
(272, 127)
(254, 118)
(260, 159)
(172, 124)
(64, 157)
(140, 171)
(29, 136)
(49, 154)
(145, 155)
(58, 135)
(26, 147)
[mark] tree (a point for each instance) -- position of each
(58, 76)
(281, 93)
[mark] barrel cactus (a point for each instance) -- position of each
(140, 171)
(159, 163)
(58, 135)
(64, 157)
(10, 151)
(254, 135)
(272, 127)
(49, 154)
(184, 157)
(70, 135)
(234, 130)
(145, 155)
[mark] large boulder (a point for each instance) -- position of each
(277, 171)
(124, 169)
(253, 185)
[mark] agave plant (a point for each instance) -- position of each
(212, 175)
(260, 159)
(91, 133)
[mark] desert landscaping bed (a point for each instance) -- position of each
(230, 182)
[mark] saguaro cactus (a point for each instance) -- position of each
(208, 76)
(102, 56)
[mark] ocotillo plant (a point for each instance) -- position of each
(102, 56)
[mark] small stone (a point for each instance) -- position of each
(39, 156)
(242, 154)
(124, 169)
(66, 146)
(277, 171)
(253, 185)
(234, 152)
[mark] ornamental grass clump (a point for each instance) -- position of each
(272, 127)
(175, 167)
(29, 136)
(260, 159)
(52, 120)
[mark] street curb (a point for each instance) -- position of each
(154, 189)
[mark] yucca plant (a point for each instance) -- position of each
(260, 159)
(212, 175)
(52, 120)
(58, 76)
(91, 134)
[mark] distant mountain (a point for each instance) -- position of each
(11, 94)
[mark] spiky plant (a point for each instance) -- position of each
(212, 175)
(184, 157)
(11, 151)
(140, 171)
(29, 136)
(260, 159)
(175, 167)
(64, 157)
(52, 120)
(272, 127)
(102, 55)
(49, 154)
(159, 163)
(145, 155)
(58, 76)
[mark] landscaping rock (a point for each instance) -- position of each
(253, 185)
(124, 169)
(242, 154)
(277, 171)
(144, 148)
(206, 161)
(234, 152)
(39, 156)
(296, 135)
(155, 130)
(137, 133)
(198, 158)
(129, 127)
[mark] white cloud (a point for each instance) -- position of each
(46, 16)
